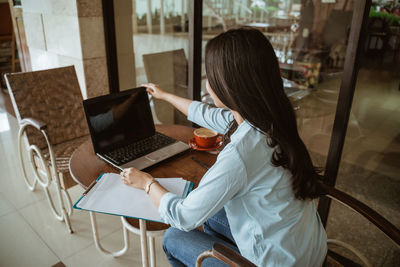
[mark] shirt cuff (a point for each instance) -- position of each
(164, 204)
(193, 107)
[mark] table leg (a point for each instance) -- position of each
(152, 252)
(143, 242)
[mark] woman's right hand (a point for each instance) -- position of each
(154, 90)
(182, 104)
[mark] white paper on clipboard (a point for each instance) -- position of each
(111, 196)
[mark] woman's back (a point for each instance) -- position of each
(270, 226)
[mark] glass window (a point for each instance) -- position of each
(370, 164)
(152, 46)
(310, 41)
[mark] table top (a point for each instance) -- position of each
(85, 166)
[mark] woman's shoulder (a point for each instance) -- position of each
(251, 141)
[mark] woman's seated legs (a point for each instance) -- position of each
(183, 248)
(218, 226)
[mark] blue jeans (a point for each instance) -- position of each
(182, 248)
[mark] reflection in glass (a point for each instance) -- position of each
(156, 51)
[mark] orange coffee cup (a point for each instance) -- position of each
(205, 138)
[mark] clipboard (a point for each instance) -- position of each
(109, 195)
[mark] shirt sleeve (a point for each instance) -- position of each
(219, 185)
(217, 119)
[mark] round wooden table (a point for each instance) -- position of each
(85, 166)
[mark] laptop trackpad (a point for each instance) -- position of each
(156, 156)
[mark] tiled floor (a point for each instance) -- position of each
(31, 236)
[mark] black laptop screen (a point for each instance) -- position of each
(119, 119)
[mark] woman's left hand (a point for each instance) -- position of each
(135, 178)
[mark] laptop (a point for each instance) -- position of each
(123, 133)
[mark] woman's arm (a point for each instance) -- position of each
(224, 180)
(182, 104)
(202, 114)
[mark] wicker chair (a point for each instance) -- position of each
(232, 258)
(51, 125)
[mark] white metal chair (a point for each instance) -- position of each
(51, 125)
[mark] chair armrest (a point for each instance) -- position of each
(229, 256)
(371, 215)
(38, 124)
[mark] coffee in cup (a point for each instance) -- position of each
(205, 138)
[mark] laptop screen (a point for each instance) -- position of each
(119, 119)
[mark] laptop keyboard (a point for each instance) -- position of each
(138, 149)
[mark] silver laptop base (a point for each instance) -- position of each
(152, 158)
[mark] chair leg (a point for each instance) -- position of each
(63, 210)
(41, 170)
(50, 175)
(152, 251)
(97, 239)
(67, 222)
(143, 242)
(68, 200)
(58, 214)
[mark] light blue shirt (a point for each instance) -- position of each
(270, 226)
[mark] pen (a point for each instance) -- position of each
(202, 164)
(90, 187)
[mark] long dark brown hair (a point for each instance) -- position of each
(243, 71)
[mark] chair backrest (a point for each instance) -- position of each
(168, 69)
(390, 230)
(52, 96)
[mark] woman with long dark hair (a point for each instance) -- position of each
(257, 197)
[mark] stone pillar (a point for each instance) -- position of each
(90, 19)
(61, 33)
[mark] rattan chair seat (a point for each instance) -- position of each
(62, 153)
